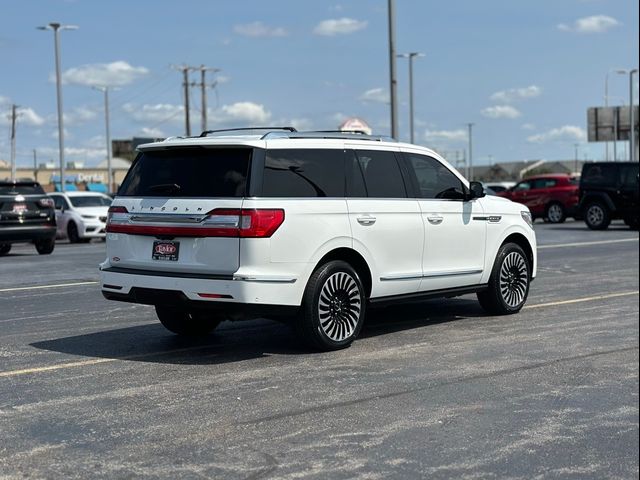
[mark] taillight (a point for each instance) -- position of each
(45, 203)
(220, 222)
(246, 222)
(116, 215)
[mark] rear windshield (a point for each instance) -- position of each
(90, 201)
(189, 172)
(21, 189)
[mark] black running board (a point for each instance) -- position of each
(418, 296)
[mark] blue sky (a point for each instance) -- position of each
(523, 71)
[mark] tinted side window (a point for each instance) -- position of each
(544, 183)
(382, 174)
(629, 175)
(355, 180)
(434, 179)
(304, 173)
(523, 186)
(58, 202)
(599, 175)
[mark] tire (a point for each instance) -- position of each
(597, 216)
(72, 233)
(333, 307)
(509, 282)
(5, 248)
(555, 213)
(45, 247)
(182, 322)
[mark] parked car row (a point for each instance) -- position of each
(604, 192)
(29, 214)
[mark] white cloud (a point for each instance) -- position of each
(78, 116)
(234, 115)
(115, 74)
(244, 112)
(566, 133)
(159, 112)
(222, 79)
(152, 132)
(593, 24)
(375, 95)
(501, 111)
(339, 26)
(515, 94)
(528, 126)
(74, 153)
(448, 136)
(259, 29)
(25, 115)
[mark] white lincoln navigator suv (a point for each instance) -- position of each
(317, 226)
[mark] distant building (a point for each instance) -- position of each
(126, 149)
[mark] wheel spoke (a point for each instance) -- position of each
(339, 306)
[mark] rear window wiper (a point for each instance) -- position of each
(165, 187)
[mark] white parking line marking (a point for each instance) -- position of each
(96, 361)
(40, 287)
(584, 244)
(584, 299)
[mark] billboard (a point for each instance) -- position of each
(608, 124)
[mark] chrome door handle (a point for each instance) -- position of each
(366, 220)
(435, 219)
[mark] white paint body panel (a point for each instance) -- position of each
(404, 251)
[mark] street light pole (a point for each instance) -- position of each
(110, 182)
(393, 82)
(632, 130)
(470, 164)
(56, 27)
(606, 104)
(411, 56)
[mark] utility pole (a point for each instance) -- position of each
(575, 161)
(470, 164)
(185, 85)
(56, 27)
(110, 182)
(393, 81)
(13, 142)
(203, 92)
(632, 127)
(35, 165)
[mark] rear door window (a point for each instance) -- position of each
(544, 183)
(599, 175)
(304, 173)
(382, 174)
(189, 172)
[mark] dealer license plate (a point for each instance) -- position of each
(165, 250)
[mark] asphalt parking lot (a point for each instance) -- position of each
(97, 389)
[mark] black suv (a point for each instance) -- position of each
(26, 215)
(608, 191)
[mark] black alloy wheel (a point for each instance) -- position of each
(508, 287)
(333, 307)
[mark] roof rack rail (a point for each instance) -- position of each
(349, 132)
(244, 129)
(328, 134)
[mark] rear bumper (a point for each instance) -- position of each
(198, 291)
(27, 234)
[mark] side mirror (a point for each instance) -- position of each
(476, 190)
